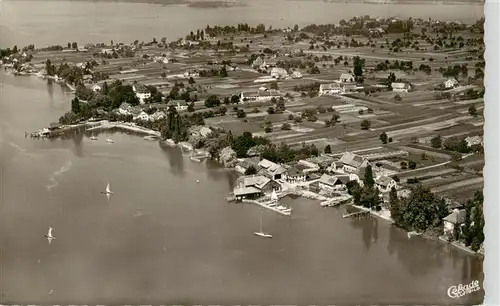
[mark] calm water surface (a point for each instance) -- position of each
(56, 22)
(163, 238)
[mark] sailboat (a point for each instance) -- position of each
(261, 233)
(49, 235)
(108, 190)
(274, 196)
(109, 140)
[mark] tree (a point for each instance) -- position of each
(368, 180)
(403, 165)
(358, 66)
(74, 45)
(49, 68)
(398, 98)
(235, 99)
(436, 142)
(473, 111)
(286, 126)
(191, 80)
(190, 107)
(212, 101)
(251, 170)
(328, 149)
(75, 105)
(223, 72)
(365, 124)
(384, 138)
(412, 165)
(227, 100)
(268, 129)
(84, 93)
(240, 113)
(394, 205)
(270, 110)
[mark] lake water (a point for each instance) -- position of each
(56, 22)
(163, 238)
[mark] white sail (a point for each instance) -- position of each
(107, 189)
(274, 196)
(261, 233)
(49, 234)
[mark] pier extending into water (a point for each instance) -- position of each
(264, 205)
(356, 214)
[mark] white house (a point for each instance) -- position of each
(329, 89)
(451, 83)
(141, 92)
(279, 73)
(161, 59)
(400, 87)
(351, 163)
(180, 105)
(142, 116)
(347, 78)
(385, 183)
(294, 175)
(157, 116)
(474, 140)
(124, 109)
(296, 75)
(453, 221)
(259, 96)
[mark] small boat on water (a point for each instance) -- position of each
(261, 233)
(413, 233)
(109, 140)
(49, 235)
(107, 191)
(93, 138)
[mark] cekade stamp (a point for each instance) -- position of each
(459, 291)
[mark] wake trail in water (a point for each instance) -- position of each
(55, 174)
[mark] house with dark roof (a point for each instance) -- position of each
(294, 175)
(262, 183)
(247, 193)
(453, 222)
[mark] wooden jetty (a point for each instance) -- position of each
(268, 207)
(355, 214)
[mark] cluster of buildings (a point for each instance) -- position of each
(138, 113)
(323, 174)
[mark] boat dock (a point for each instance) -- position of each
(356, 214)
(336, 201)
(263, 204)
